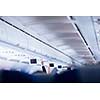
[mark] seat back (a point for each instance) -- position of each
(89, 74)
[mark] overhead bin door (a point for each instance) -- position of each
(3, 34)
(13, 36)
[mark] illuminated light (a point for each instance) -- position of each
(98, 34)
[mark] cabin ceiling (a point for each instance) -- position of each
(58, 31)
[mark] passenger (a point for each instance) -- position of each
(43, 67)
(44, 70)
(54, 71)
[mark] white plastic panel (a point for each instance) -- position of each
(13, 36)
(87, 28)
(3, 34)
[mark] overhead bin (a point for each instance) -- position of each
(3, 34)
(87, 28)
(45, 50)
(13, 36)
(19, 39)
